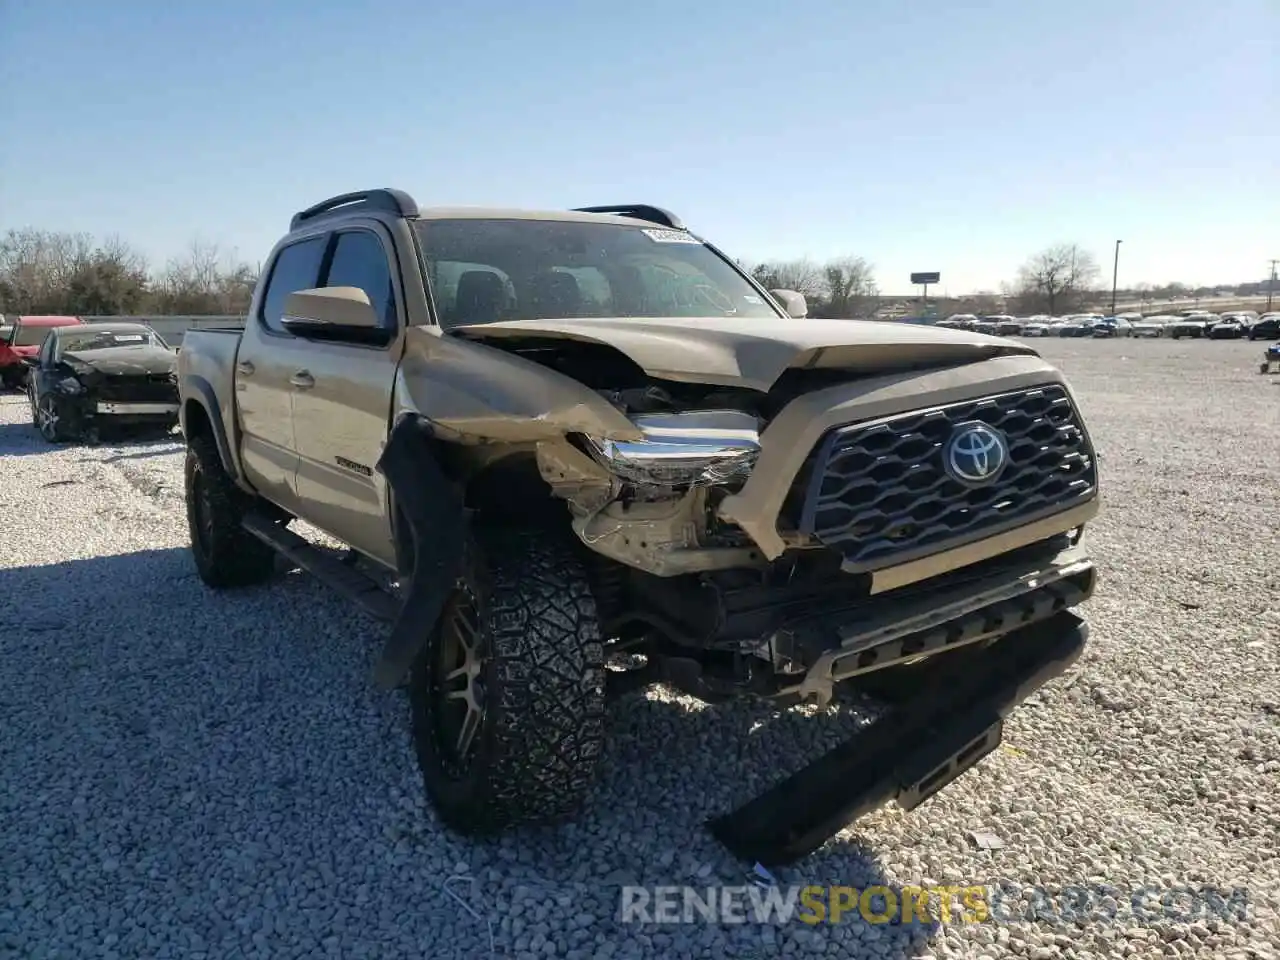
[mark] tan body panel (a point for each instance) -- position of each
(473, 393)
(210, 356)
(753, 353)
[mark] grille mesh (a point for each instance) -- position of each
(139, 388)
(879, 494)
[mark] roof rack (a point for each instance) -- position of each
(641, 211)
(385, 199)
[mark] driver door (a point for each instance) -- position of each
(342, 404)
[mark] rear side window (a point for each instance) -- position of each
(30, 335)
(359, 260)
(297, 267)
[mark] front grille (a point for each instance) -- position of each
(879, 493)
(140, 388)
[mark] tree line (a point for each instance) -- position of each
(48, 272)
(44, 271)
(843, 287)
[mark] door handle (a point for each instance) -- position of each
(245, 367)
(303, 380)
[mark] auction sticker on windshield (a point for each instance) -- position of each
(670, 236)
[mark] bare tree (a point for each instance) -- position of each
(205, 280)
(1057, 279)
(850, 288)
(36, 267)
(803, 276)
(112, 281)
(64, 273)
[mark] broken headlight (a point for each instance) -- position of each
(70, 385)
(690, 448)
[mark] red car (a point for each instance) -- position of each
(24, 341)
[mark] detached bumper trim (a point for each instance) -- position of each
(909, 754)
(965, 613)
(137, 408)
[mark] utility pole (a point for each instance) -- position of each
(1115, 273)
(1271, 282)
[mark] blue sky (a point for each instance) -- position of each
(924, 136)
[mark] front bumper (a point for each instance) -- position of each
(115, 408)
(963, 609)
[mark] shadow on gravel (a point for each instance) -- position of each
(668, 769)
(191, 719)
(21, 439)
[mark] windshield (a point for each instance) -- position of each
(77, 340)
(484, 270)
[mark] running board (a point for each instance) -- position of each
(335, 572)
(922, 745)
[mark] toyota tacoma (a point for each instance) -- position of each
(571, 454)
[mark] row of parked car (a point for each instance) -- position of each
(1234, 325)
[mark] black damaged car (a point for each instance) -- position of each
(96, 375)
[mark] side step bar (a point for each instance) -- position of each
(333, 571)
(923, 744)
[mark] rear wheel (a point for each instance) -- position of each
(508, 694)
(226, 555)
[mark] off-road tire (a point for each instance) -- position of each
(226, 555)
(542, 735)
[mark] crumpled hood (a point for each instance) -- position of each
(123, 361)
(753, 353)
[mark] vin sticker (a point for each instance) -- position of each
(670, 236)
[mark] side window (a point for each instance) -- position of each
(297, 267)
(46, 351)
(360, 261)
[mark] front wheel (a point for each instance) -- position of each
(48, 420)
(226, 555)
(508, 695)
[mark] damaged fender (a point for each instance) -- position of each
(477, 393)
(432, 508)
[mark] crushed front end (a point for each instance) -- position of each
(866, 525)
(917, 536)
(88, 399)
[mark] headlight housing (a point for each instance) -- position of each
(70, 385)
(691, 448)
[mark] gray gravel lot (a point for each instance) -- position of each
(184, 774)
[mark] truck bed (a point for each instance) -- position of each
(206, 365)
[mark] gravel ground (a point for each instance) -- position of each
(186, 774)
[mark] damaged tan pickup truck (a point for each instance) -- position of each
(577, 453)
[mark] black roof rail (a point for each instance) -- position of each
(385, 199)
(641, 211)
